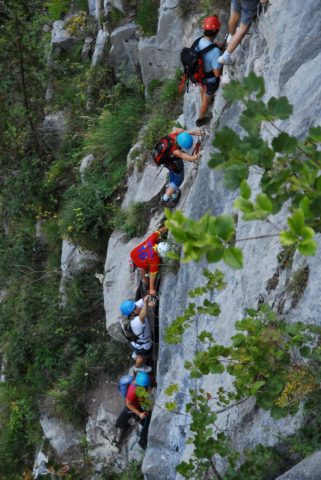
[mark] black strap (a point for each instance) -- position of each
(209, 74)
(204, 50)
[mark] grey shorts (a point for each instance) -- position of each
(247, 9)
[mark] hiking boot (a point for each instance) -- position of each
(176, 196)
(202, 121)
(170, 203)
(225, 59)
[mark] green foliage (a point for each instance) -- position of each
(206, 442)
(115, 16)
(276, 363)
(261, 361)
(290, 167)
(262, 462)
(111, 137)
(147, 16)
(87, 216)
(57, 8)
(215, 281)
(19, 430)
(134, 221)
(132, 472)
(162, 105)
(210, 236)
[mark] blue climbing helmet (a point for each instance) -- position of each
(127, 307)
(143, 379)
(185, 140)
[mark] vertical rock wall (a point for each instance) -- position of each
(285, 48)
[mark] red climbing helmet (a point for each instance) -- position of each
(212, 23)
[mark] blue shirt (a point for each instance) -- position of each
(210, 58)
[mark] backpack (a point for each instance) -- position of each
(126, 330)
(162, 154)
(124, 383)
(193, 64)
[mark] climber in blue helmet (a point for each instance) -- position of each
(141, 344)
(138, 407)
(173, 157)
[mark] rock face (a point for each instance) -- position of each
(124, 51)
(101, 40)
(273, 50)
(61, 435)
(60, 37)
(308, 469)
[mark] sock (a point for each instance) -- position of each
(175, 195)
(229, 38)
(226, 56)
(166, 197)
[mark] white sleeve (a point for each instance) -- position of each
(140, 303)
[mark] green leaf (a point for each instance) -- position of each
(305, 207)
(245, 190)
(279, 412)
(256, 386)
(170, 406)
(233, 257)
(234, 175)
(280, 108)
(307, 233)
(244, 205)
(284, 143)
(234, 91)
(287, 238)
(263, 202)
(171, 389)
(253, 83)
(308, 248)
(315, 134)
(296, 222)
(215, 254)
(225, 227)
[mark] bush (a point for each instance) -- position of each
(86, 218)
(163, 105)
(132, 472)
(134, 222)
(111, 137)
(147, 16)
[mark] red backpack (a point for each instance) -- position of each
(193, 64)
(163, 154)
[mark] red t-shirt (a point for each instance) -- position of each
(131, 396)
(144, 255)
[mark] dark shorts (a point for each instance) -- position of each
(210, 87)
(247, 9)
(141, 351)
(176, 179)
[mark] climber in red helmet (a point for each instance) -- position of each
(243, 11)
(212, 68)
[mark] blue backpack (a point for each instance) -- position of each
(124, 383)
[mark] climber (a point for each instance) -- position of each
(138, 407)
(212, 68)
(146, 257)
(246, 11)
(140, 326)
(178, 140)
